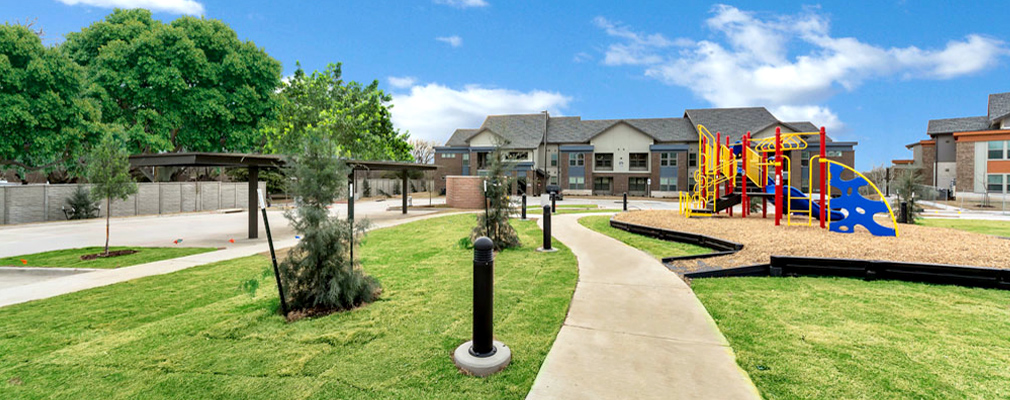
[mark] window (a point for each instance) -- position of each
(482, 160)
(692, 159)
(602, 184)
(637, 185)
(690, 182)
(554, 159)
(554, 180)
(994, 183)
(466, 157)
(605, 161)
(834, 153)
(577, 159)
(996, 150)
(448, 155)
(517, 155)
(668, 184)
(576, 182)
(638, 161)
(805, 159)
(667, 159)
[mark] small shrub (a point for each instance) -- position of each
(465, 243)
(494, 223)
(319, 275)
(396, 190)
(81, 205)
(366, 188)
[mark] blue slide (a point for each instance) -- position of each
(801, 202)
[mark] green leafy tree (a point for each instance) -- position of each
(319, 274)
(323, 103)
(45, 123)
(495, 222)
(190, 85)
(108, 169)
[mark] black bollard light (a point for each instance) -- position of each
(554, 207)
(547, 231)
(483, 297)
(482, 355)
(524, 206)
(625, 201)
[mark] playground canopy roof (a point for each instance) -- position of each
(256, 161)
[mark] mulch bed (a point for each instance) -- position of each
(116, 253)
(762, 239)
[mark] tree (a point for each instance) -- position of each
(423, 151)
(81, 205)
(495, 222)
(190, 85)
(319, 274)
(906, 184)
(108, 169)
(323, 103)
(45, 123)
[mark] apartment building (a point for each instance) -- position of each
(654, 157)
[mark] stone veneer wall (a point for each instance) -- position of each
(21, 204)
(464, 191)
(965, 167)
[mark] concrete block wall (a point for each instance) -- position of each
(39, 203)
(464, 192)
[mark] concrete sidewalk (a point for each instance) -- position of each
(634, 330)
(97, 278)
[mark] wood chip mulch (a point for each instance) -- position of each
(762, 239)
(116, 253)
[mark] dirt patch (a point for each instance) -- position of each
(116, 253)
(762, 239)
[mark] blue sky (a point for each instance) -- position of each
(873, 72)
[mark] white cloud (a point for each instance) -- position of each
(637, 48)
(434, 111)
(581, 57)
(400, 82)
(463, 3)
(454, 41)
(190, 7)
(749, 63)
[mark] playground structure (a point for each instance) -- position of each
(735, 174)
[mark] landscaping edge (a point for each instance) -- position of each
(960, 275)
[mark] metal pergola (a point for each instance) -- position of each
(254, 162)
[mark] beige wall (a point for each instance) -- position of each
(39, 203)
(484, 139)
(621, 140)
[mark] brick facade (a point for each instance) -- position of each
(965, 166)
(464, 192)
(447, 167)
(928, 164)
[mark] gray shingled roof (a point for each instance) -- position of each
(803, 126)
(460, 136)
(949, 125)
(526, 130)
(732, 121)
(523, 131)
(999, 106)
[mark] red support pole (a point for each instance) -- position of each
(718, 140)
(764, 184)
(823, 175)
(729, 183)
(744, 201)
(778, 175)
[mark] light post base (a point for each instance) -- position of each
(482, 366)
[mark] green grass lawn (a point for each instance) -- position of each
(837, 338)
(571, 209)
(657, 248)
(71, 258)
(192, 334)
(997, 228)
